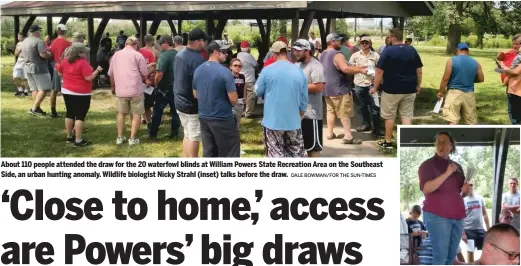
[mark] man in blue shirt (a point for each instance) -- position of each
(284, 88)
(185, 63)
(400, 67)
(461, 72)
(214, 87)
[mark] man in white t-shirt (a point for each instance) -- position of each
(511, 201)
(248, 70)
(476, 213)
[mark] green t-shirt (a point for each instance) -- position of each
(165, 64)
(346, 52)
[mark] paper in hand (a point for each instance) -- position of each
(376, 99)
(437, 107)
(371, 71)
(149, 90)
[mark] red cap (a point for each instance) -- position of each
(245, 44)
(282, 39)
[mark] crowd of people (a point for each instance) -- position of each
(454, 212)
(147, 77)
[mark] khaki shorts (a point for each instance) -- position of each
(341, 106)
(39, 82)
(458, 105)
(134, 105)
(191, 126)
(391, 104)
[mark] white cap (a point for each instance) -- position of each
(61, 27)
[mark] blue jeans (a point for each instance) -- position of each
(513, 120)
(161, 102)
(367, 108)
(445, 237)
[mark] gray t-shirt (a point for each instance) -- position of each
(315, 74)
(32, 47)
(474, 210)
(512, 199)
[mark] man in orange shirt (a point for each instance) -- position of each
(505, 58)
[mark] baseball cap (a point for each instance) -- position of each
(217, 45)
(365, 39)
(149, 38)
(301, 44)
(35, 28)
(78, 35)
(463, 46)
(197, 34)
(278, 45)
(333, 37)
(245, 44)
(178, 39)
(166, 39)
(61, 27)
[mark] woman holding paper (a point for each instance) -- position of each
(442, 181)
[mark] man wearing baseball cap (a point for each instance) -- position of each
(178, 43)
(366, 105)
(164, 82)
(185, 63)
(400, 67)
(214, 87)
(457, 85)
(312, 121)
(337, 91)
(58, 46)
(36, 68)
(285, 90)
(248, 70)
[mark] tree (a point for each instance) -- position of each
(341, 26)
(510, 14)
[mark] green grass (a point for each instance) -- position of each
(24, 135)
(28, 136)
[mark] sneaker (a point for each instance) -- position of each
(19, 93)
(82, 143)
(54, 115)
(26, 94)
(133, 142)
(386, 145)
(40, 111)
(70, 140)
(120, 140)
(363, 129)
(37, 112)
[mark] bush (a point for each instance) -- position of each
(488, 203)
(437, 41)
(7, 45)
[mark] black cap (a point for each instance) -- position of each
(34, 28)
(216, 45)
(197, 34)
(166, 39)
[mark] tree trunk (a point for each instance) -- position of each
(453, 39)
(480, 39)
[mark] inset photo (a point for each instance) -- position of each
(459, 196)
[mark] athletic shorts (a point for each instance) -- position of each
(191, 125)
(39, 82)
(18, 73)
(56, 81)
(312, 134)
(478, 236)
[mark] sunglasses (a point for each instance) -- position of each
(511, 256)
(508, 218)
(364, 43)
(236, 65)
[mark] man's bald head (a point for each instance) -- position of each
(501, 245)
